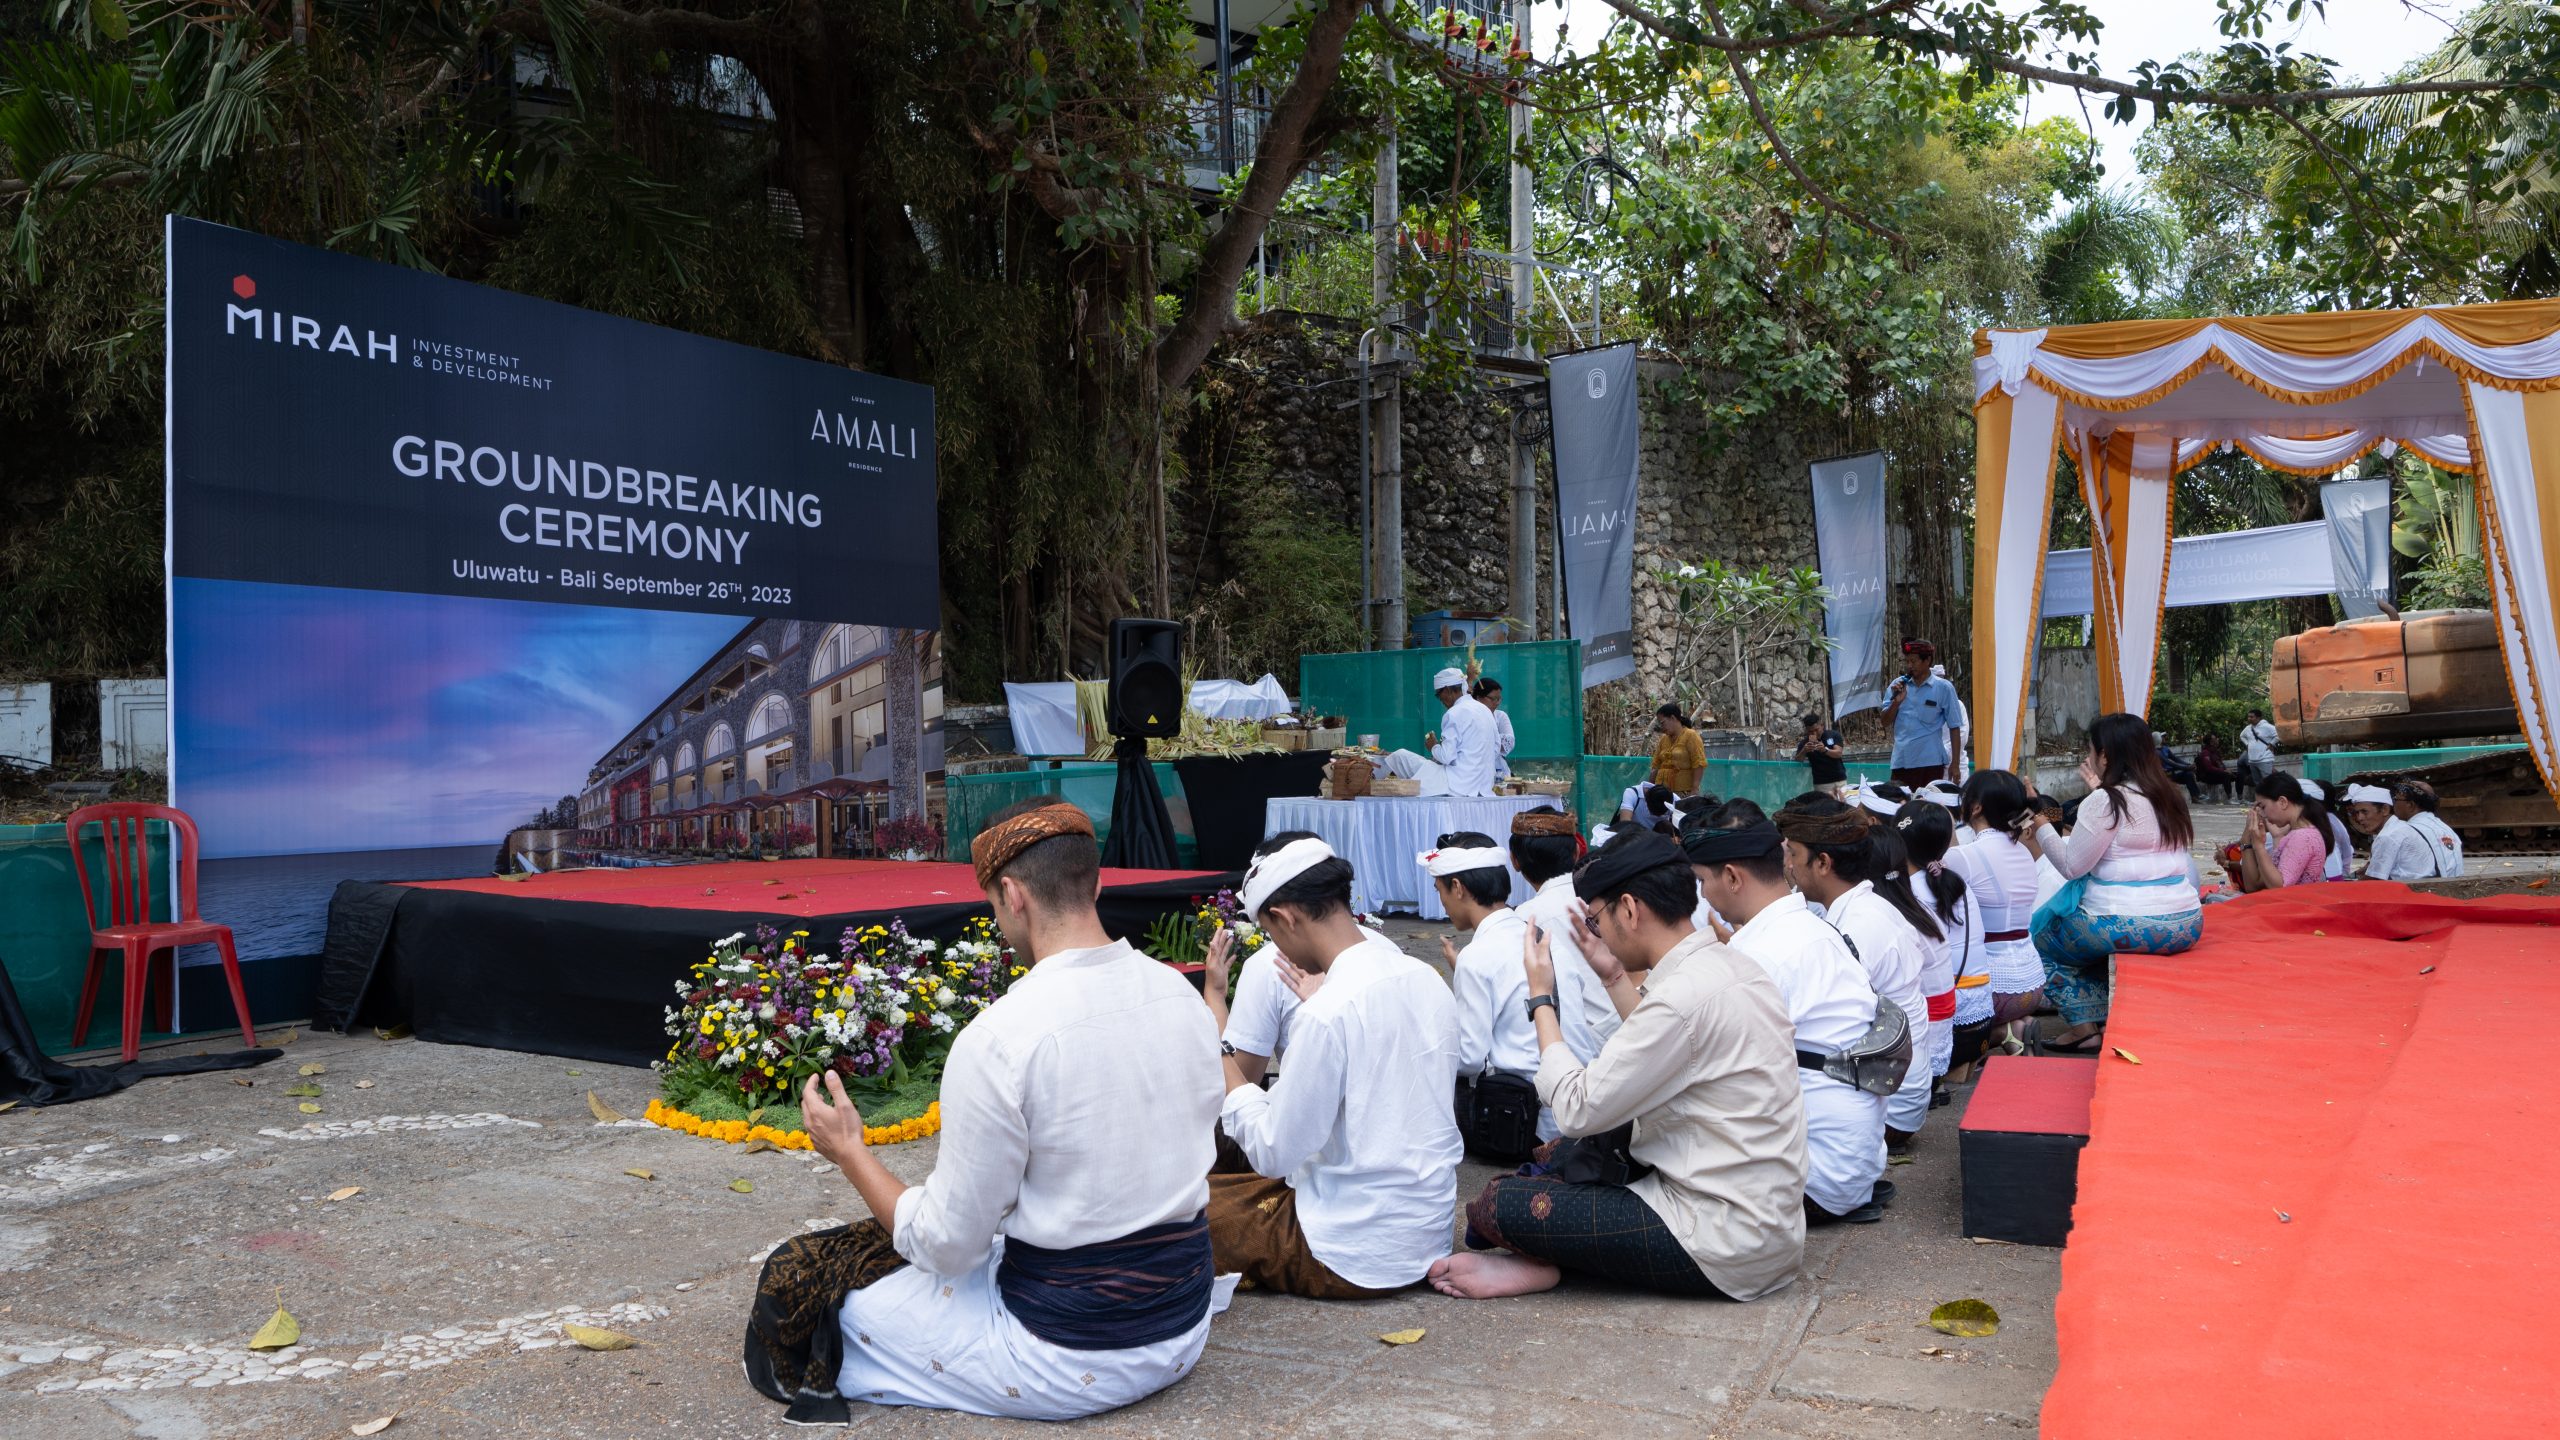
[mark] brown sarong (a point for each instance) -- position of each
(794, 1346)
(1253, 1230)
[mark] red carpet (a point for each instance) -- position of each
(2297, 1061)
(770, 887)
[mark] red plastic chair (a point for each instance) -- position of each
(130, 927)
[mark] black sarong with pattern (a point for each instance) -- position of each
(795, 1345)
(1600, 1230)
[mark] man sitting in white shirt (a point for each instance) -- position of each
(2415, 802)
(1057, 1262)
(1463, 754)
(1840, 865)
(1354, 1148)
(1742, 865)
(1497, 1046)
(2399, 852)
(1545, 846)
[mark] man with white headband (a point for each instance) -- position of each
(1354, 1148)
(1498, 1111)
(1465, 753)
(2399, 851)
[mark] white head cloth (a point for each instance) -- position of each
(1943, 793)
(1278, 868)
(1875, 804)
(1449, 679)
(2368, 795)
(1459, 862)
(2312, 788)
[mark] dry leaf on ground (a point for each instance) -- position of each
(604, 1113)
(236, 1080)
(364, 1084)
(313, 1069)
(308, 1108)
(306, 1090)
(9, 1105)
(372, 1427)
(1402, 1337)
(287, 1038)
(2126, 1055)
(347, 1193)
(391, 1032)
(1970, 1319)
(743, 1187)
(755, 1145)
(280, 1330)
(588, 1337)
(639, 1174)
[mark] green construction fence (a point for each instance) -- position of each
(968, 801)
(2335, 766)
(1387, 693)
(1767, 783)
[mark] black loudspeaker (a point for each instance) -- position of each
(1146, 679)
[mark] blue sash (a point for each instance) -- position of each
(1147, 1286)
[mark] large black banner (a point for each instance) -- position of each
(1593, 398)
(462, 580)
(1849, 546)
(339, 422)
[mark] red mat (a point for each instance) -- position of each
(775, 887)
(2298, 1061)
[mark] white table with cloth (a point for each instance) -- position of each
(1381, 834)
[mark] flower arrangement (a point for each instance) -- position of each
(908, 833)
(739, 1131)
(758, 1017)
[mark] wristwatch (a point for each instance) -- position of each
(1535, 1001)
(1226, 1047)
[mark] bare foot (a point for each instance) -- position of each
(1491, 1276)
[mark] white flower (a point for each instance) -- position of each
(764, 1012)
(945, 998)
(898, 1017)
(944, 1024)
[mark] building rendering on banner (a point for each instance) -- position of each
(780, 741)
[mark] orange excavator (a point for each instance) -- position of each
(2422, 675)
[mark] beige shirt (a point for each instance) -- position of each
(1706, 1067)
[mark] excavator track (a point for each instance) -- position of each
(2496, 803)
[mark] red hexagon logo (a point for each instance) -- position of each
(244, 287)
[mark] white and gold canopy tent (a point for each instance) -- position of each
(2474, 388)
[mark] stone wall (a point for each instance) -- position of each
(1281, 392)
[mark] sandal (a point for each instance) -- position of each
(2091, 1044)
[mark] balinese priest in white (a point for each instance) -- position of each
(1057, 1261)
(1465, 752)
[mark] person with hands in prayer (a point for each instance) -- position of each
(1691, 1111)
(1354, 1149)
(1057, 1262)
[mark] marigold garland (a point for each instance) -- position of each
(737, 1132)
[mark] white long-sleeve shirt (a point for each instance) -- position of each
(1037, 1096)
(1491, 987)
(1360, 1123)
(1504, 742)
(1959, 940)
(1583, 1008)
(1258, 1019)
(1891, 952)
(1468, 748)
(1831, 1005)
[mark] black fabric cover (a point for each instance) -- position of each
(360, 914)
(1141, 828)
(2019, 1186)
(577, 978)
(1229, 794)
(31, 1077)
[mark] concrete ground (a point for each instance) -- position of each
(148, 1235)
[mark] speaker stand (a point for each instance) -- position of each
(1141, 828)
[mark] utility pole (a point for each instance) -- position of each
(1524, 279)
(1386, 460)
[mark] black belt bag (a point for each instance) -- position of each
(1498, 1116)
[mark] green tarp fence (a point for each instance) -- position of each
(1767, 783)
(968, 801)
(1387, 693)
(44, 934)
(2332, 768)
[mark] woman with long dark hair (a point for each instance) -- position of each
(2004, 983)
(1927, 833)
(2286, 839)
(2128, 860)
(1840, 856)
